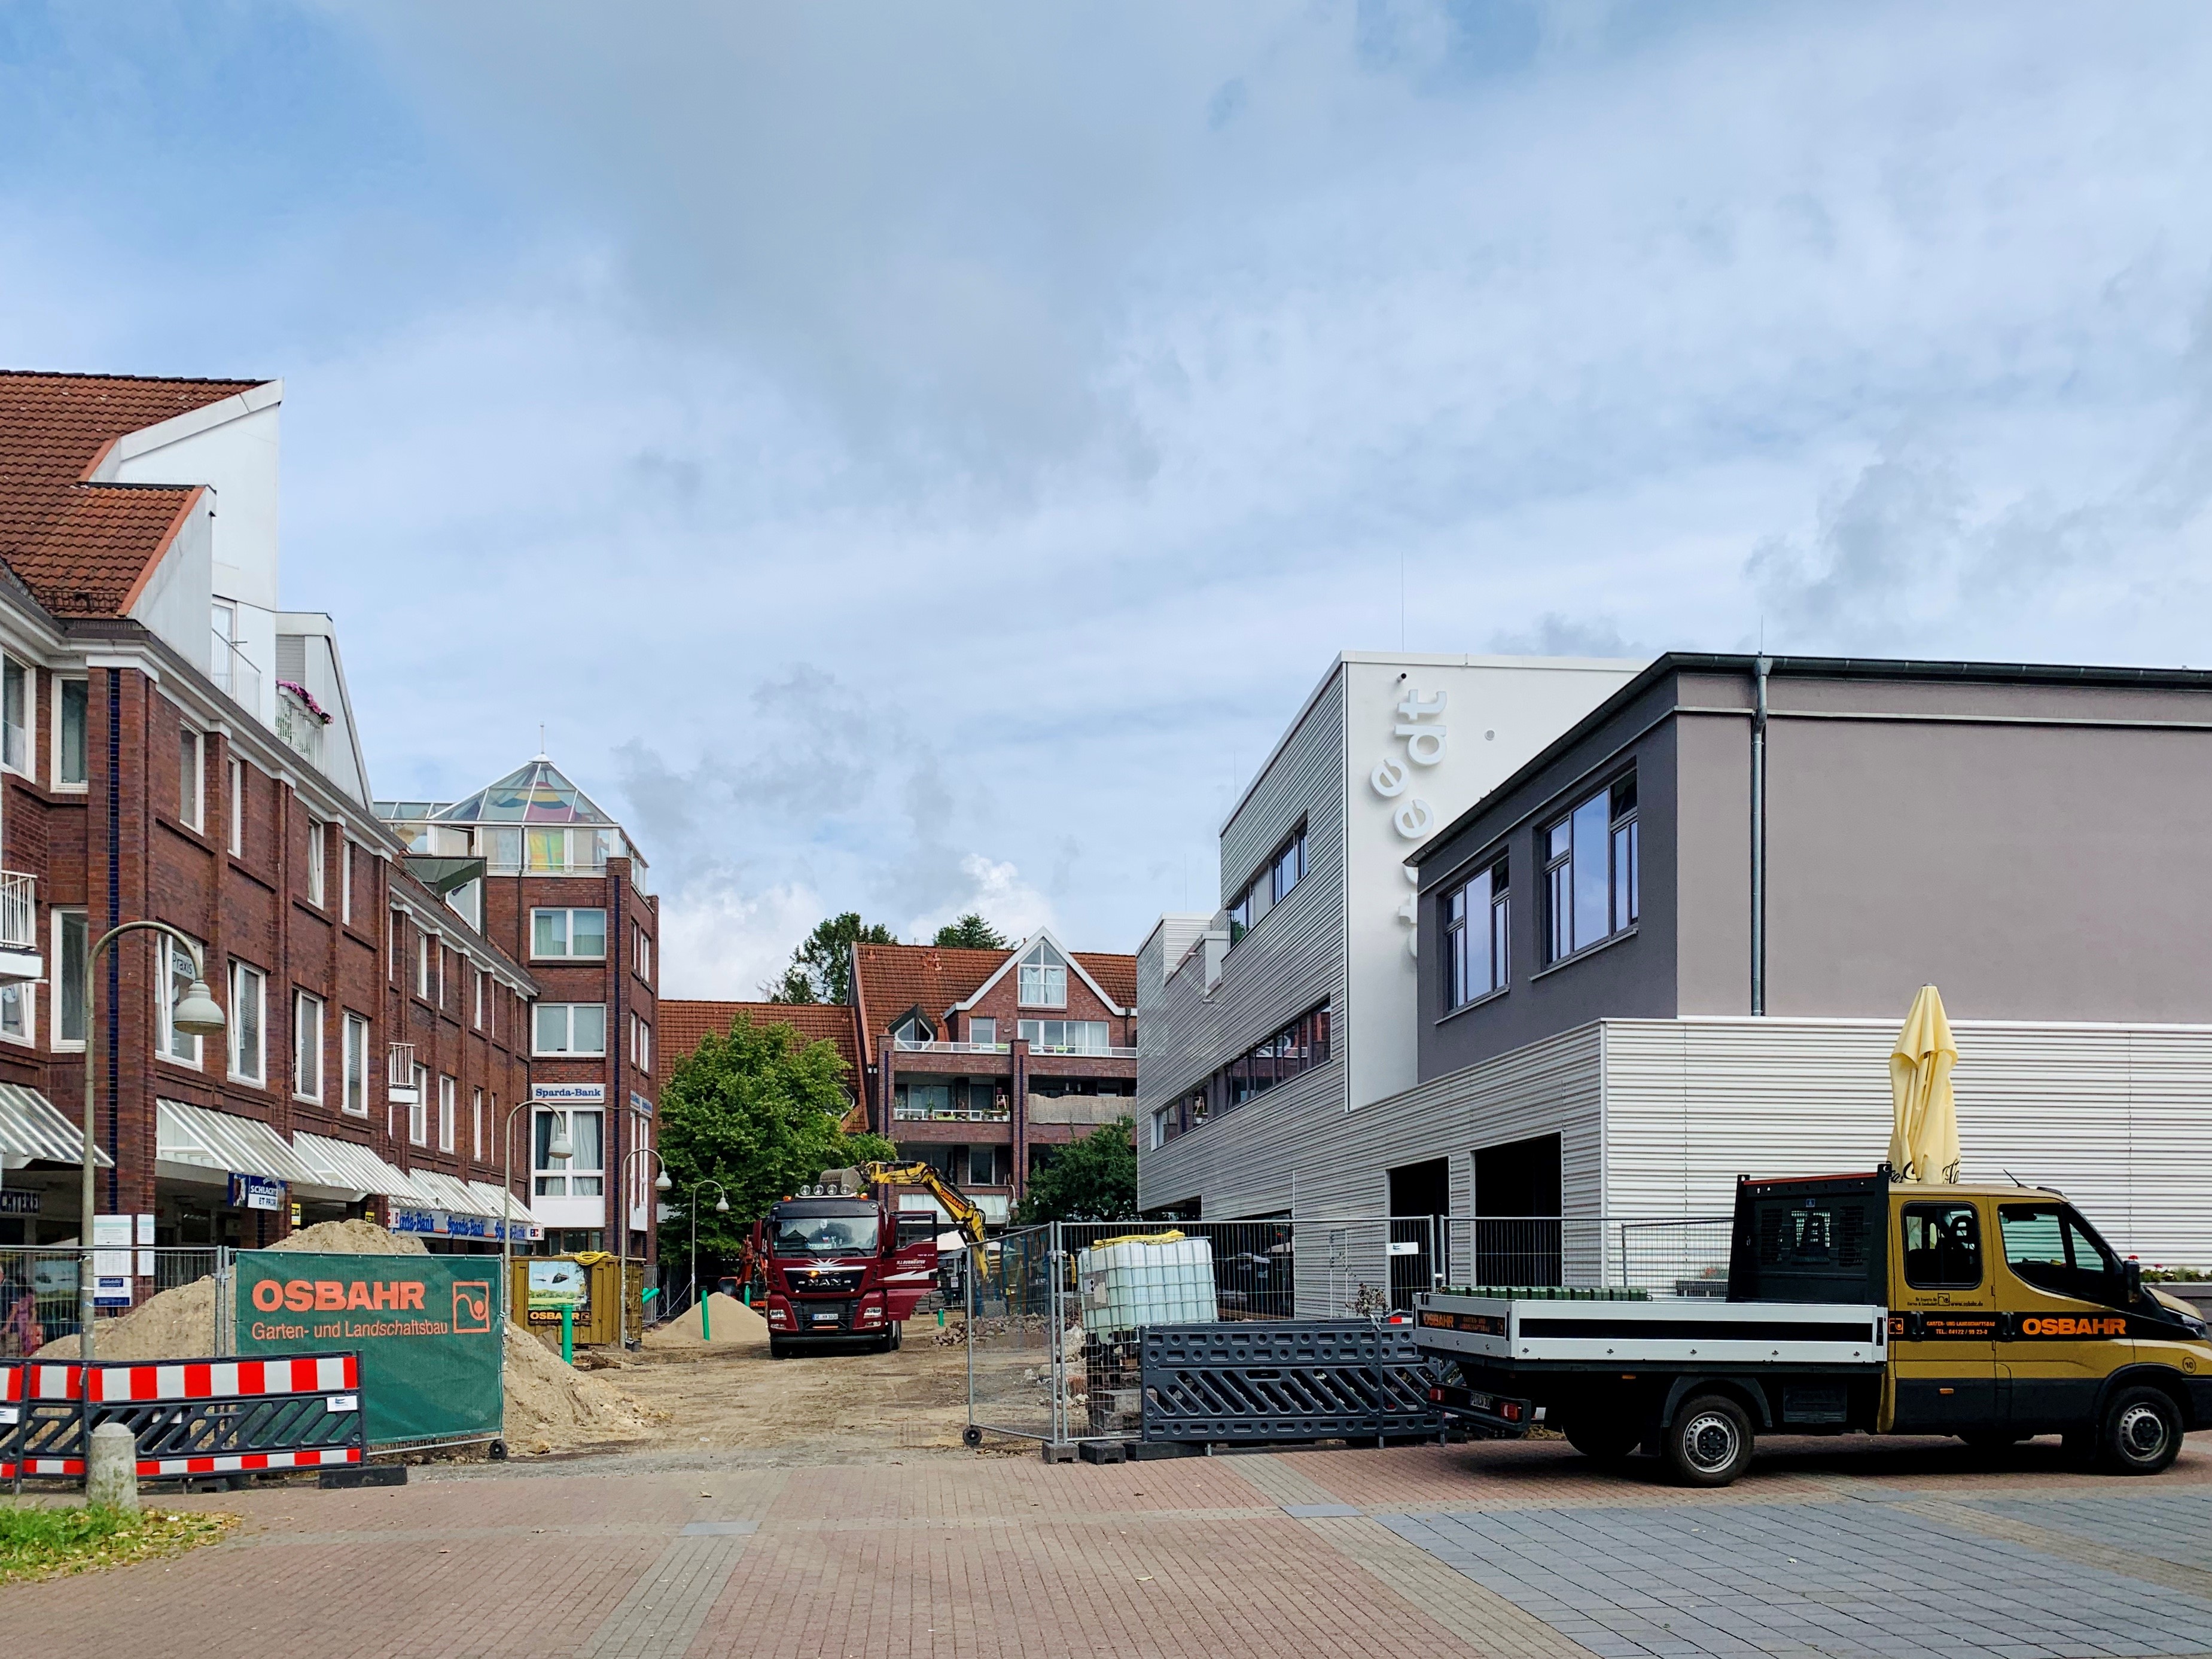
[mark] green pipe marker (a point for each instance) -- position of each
(568, 1333)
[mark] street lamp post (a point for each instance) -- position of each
(559, 1146)
(721, 1207)
(661, 1183)
(196, 1014)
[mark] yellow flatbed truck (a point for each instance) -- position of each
(1856, 1304)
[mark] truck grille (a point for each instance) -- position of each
(823, 1281)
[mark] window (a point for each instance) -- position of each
(426, 946)
(248, 988)
(317, 842)
(447, 1088)
(70, 941)
(170, 988)
(1297, 1046)
(1270, 887)
(308, 1046)
(1942, 1247)
(569, 934)
(1478, 917)
(546, 849)
(571, 1027)
(476, 1125)
(476, 1007)
(16, 1015)
(237, 770)
(418, 1110)
(189, 778)
(345, 879)
(1590, 880)
(641, 955)
(983, 1031)
(1064, 1037)
(356, 1066)
(641, 1044)
(576, 1176)
(1043, 977)
(2054, 1249)
(15, 716)
(69, 739)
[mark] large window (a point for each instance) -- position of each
(569, 934)
(15, 716)
(1270, 887)
(580, 1176)
(308, 1046)
(170, 988)
(356, 1066)
(70, 941)
(249, 989)
(571, 1027)
(1064, 1037)
(69, 738)
(1590, 879)
(1478, 920)
(1297, 1046)
(1043, 977)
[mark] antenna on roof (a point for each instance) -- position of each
(541, 755)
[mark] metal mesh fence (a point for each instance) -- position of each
(1014, 1297)
(38, 1292)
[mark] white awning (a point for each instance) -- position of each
(348, 1166)
(32, 1129)
(450, 1194)
(194, 1138)
(513, 1204)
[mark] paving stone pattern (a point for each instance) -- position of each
(2169, 1526)
(1847, 1580)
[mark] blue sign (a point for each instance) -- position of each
(640, 1104)
(253, 1192)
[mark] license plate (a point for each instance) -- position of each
(825, 1319)
(1481, 1402)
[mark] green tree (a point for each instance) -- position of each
(757, 1110)
(971, 932)
(1093, 1180)
(821, 968)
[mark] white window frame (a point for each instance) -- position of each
(567, 1010)
(1045, 970)
(192, 812)
(448, 1097)
(307, 1047)
(319, 843)
(166, 1040)
(26, 764)
(236, 773)
(55, 746)
(355, 1100)
(567, 1172)
(476, 978)
(418, 1115)
(61, 915)
(477, 1125)
(425, 942)
(249, 988)
(567, 914)
(26, 995)
(345, 877)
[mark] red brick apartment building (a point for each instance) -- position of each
(984, 1062)
(175, 747)
(559, 887)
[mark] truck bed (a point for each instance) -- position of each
(1511, 1334)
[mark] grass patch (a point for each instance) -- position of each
(42, 1543)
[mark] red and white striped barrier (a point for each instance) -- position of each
(195, 1379)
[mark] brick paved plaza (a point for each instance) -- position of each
(1835, 1549)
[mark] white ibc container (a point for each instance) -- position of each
(1134, 1282)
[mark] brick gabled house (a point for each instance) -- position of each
(174, 746)
(685, 1021)
(984, 1062)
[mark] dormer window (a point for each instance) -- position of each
(1044, 977)
(912, 1031)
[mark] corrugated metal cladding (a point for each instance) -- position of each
(2113, 1116)
(1294, 960)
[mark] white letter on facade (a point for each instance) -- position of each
(1389, 777)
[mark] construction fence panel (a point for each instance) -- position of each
(1294, 1379)
(39, 1290)
(1014, 1297)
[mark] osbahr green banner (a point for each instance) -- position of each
(427, 1328)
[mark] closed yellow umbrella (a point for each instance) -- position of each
(1924, 1138)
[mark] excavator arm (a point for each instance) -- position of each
(957, 1204)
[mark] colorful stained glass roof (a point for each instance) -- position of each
(536, 793)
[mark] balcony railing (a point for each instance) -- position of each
(19, 911)
(234, 675)
(904, 1113)
(916, 1046)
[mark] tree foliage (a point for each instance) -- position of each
(1093, 1180)
(971, 932)
(821, 968)
(758, 1111)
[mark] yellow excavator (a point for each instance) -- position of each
(957, 1204)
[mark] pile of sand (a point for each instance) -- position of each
(549, 1407)
(734, 1326)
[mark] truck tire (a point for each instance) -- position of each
(1602, 1443)
(778, 1348)
(898, 1335)
(1709, 1442)
(2140, 1432)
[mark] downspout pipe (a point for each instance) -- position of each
(1761, 668)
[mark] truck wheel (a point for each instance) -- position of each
(898, 1336)
(778, 1348)
(1601, 1442)
(2141, 1433)
(1709, 1443)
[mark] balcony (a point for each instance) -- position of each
(235, 677)
(916, 1046)
(1103, 1053)
(904, 1113)
(19, 928)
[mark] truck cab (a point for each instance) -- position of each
(1856, 1303)
(832, 1272)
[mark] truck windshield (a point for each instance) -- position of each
(824, 1235)
(2053, 1249)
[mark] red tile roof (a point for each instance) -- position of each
(893, 978)
(1116, 976)
(86, 549)
(683, 1023)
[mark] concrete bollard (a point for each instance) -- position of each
(111, 1478)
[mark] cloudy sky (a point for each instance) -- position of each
(916, 457)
